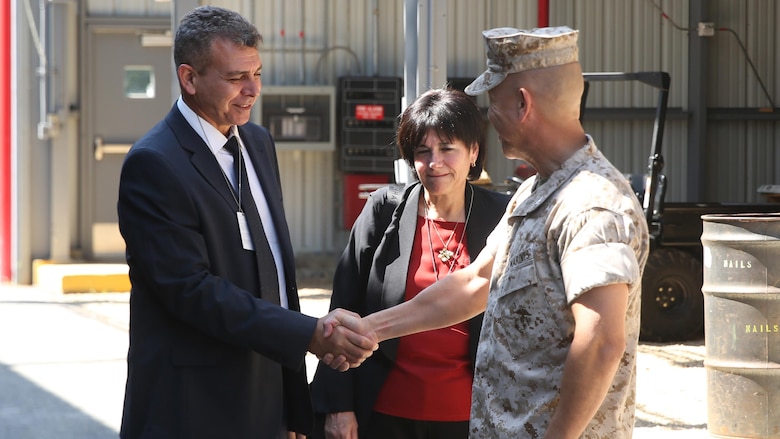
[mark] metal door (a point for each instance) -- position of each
(126, 89)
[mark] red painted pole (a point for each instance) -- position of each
(543, 13)
(5, 141)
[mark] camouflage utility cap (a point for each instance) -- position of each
(511, 50)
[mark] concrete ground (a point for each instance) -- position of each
(62, 369)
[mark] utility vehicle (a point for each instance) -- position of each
(672, 300)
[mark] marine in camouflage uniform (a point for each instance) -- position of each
(559, 279)
(581, 229)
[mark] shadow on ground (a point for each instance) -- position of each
(28, 411)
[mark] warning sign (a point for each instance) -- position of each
(369, 112)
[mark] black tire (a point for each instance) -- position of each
(672, 301)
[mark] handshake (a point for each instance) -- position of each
(343, 340)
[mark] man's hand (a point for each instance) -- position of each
(343, 340)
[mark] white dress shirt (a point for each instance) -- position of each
(215, 141)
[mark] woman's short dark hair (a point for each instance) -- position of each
(201, 27)
(452, 114)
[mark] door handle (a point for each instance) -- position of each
(109, 148)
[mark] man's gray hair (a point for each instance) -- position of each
(201, 27)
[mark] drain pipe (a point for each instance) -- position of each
(282, 44)
(375, 37)
(39, 39)
(302, 36)
(410, 52)
(43, 68)
(543, 13)
(6, 181)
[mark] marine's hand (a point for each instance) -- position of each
(355, 330)
(341, 335)
(356, 324)
(342, 425)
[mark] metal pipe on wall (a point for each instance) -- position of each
(410, 52)
(543, 13)
(302, 36)
(62, 126)
(42, 71)
(179, 8)
(38, 33)
(698, 11)
(325, 38)
(6, 182)
(281, 67)
(375, 37)
(425, 46)
(435, 24)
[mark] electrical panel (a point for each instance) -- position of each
(368, 113)
(299, 117)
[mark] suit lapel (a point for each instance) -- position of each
(398, 269)
(261, 161)
(200, 155)
(477, 229)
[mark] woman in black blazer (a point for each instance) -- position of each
(417, 386)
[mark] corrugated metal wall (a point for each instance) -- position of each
(743, 155)
(313, 42)
(359, 37)
(621, 36)
(466, 55)
(740, 155)
(136, 8)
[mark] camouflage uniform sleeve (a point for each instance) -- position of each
(598, 247)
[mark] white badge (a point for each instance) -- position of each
(243, 228)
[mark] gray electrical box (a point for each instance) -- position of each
(299, 117)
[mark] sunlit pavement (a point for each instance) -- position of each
(62, 369)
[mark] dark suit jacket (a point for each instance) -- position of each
(371, 276)
(208, 358)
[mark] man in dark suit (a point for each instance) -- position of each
(217, 340)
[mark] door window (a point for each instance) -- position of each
(139, 82)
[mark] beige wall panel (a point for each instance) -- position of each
(726, 162)
(308, 183)
(120, 8)
(744, 155)
(311, 42)
(675, 154)
(631, 37)
(314, 42)
(764, 147)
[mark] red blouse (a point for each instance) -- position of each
(432, 376)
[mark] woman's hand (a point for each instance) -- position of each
(341, 425)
